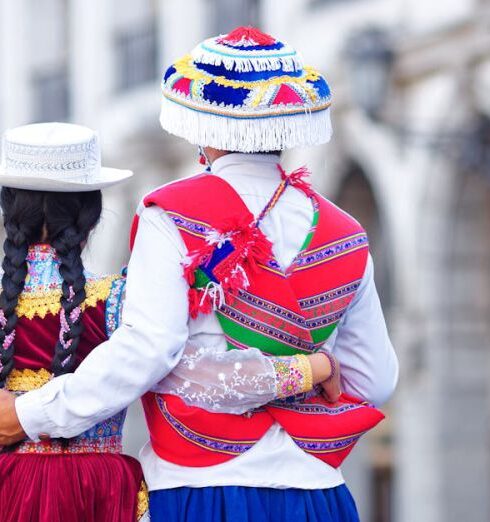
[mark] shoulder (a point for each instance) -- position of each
(179, 191)
(336, 217)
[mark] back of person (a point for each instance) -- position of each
(52, 315)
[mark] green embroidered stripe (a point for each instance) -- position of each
(310, 235)
(322, 334)
(255, 339)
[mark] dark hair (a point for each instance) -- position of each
(64, 220)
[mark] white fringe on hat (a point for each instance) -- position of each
(259, 134)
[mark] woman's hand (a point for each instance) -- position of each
(11, 430)
(326, 374)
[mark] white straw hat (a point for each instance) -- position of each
(56, 157)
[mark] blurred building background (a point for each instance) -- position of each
(410, 158)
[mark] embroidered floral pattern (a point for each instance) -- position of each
(42, 295)
(42, 291)
(104, 437)
(113, 308)
(75, 446)
(217, 381)
(293, 375)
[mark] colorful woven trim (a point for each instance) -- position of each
(246, 91)
(27, 380)
(324, 253)
(315, 408)
(143, 501)
(76, 446)
(228, 447)
(104, 437)
(293, 375)
(113, 307)
(42, 302)
(321, 446)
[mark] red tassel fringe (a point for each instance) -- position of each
(299, 179)
(251, 34)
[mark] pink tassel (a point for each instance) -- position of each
(10, 338)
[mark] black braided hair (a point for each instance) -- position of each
(23, 220)
(63, 220)
(69, 220)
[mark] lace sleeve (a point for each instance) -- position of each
(235, 381)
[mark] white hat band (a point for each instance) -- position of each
(57, 157)
(79, 162)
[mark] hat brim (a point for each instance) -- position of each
(108, 177)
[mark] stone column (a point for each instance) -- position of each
(14, 59)
(91, 64)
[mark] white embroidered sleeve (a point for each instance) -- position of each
(235, 381)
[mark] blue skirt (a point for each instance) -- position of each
(245, 504)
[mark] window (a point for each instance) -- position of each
(48, 45)
(321, 3)
(51, 96)
(228, 15)
(136, 57)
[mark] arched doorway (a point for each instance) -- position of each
(463, 364)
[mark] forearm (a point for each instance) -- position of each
(109, 379)
(140, 353)
(236, 381)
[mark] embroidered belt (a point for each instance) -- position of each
(75, 446)
(104, 437)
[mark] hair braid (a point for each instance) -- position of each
(73, 295)
(23, 225)
(67, 240)
(64, 220)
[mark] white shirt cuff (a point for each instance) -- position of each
(32, 416)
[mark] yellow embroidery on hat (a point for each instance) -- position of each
(185, 67)
(27, 380)
(48, 302)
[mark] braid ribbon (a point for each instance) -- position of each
(9, 339)
(65, 326)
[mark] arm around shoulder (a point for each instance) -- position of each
(145, 348)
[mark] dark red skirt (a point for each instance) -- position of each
(69, 488)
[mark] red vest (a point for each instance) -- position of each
(280, 312)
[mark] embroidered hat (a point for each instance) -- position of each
(57, 157)
(246, 92)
